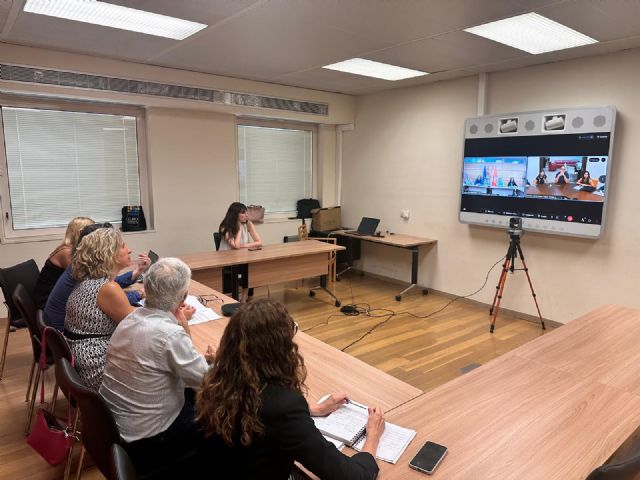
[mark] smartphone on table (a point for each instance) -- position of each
(428, 457)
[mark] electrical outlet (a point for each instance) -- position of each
(404, 214)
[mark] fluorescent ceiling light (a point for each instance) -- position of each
(369, 68)
(532, 33)
(115, 16)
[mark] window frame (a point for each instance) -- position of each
(285, 125)
(7, 232)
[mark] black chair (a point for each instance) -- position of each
(625, 470)
(26, 306)
(227, 275)
(121, 466)
(602, 179)
(25, 273)
(99, 430)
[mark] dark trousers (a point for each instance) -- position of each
(179, 441)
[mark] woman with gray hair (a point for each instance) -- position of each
(97, 303)
(151, 370)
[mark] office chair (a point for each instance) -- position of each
(121, 465)
(227, 279)
(25, 273)
(625, 470)
(602, 179)
(28, 311)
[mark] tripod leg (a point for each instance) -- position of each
(505, 268)
(500, 287)
(533, 293)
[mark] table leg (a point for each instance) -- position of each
(414, 274)
(323, 286)
(350, 241)
(235, 284)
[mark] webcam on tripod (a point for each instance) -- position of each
(515, 227)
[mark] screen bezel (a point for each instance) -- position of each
(584, 230)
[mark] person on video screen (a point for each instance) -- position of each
(512, 182)
(541, 179)
(586, 180)
(562, 177)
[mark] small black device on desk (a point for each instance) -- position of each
(428, 457)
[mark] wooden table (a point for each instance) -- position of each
(567, 190)
(329, 369)
(407, 242)
(555, 408)
(272, 264)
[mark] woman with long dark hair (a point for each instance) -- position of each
(251, 405)
(586, 180)
(237, 231)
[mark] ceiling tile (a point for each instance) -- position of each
(332, 81)
(267, 42)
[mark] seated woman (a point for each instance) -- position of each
(56, 305)
(587, 181)
(237, 231)
(541, 178)
(97, 303)
(58, 260)
(512, 182)
(251, 405)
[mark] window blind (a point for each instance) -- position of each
(275, 167)
(65, 164)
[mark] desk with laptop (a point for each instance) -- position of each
(367, 231)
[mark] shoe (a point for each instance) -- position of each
(19, 323)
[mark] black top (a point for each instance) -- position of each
(290, 435)
(47, 279)
(562, 179)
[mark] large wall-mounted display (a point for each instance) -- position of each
(549, 167)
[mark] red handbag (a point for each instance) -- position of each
(51, 437)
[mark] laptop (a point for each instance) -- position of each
(367, 227)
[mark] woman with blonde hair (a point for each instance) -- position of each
(97, 303)
(251, 405)
(58, 260)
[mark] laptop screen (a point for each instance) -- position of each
(368, 225)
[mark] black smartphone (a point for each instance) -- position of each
(153, 256)
(428, 458)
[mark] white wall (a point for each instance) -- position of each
(191, 151)
(405, 153)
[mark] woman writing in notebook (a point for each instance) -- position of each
(251, 405)
(237, 231)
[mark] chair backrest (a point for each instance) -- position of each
(625, 470)
(216, 240)
(25, 273)
(121, 465)
(28, 312)
(99, 429)
(602, 178)
(57, 345)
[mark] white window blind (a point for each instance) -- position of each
(275, 167)
(64, 164)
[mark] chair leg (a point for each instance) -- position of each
(6, 343)
(67, 467)
(80, 463)
(32, 404)
(33, 367)
(54, 398)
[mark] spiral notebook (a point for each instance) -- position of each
(393, 443)
(347, 424)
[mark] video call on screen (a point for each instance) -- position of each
(500, 176)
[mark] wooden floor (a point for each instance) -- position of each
(425, 352)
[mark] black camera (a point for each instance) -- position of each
(515, 226)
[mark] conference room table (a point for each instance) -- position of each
(568, 190)
(397, 240)
(328, 369)
(271, 264)
(554, 408)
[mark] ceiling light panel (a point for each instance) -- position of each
(115, 16)
(532, 33)
(369, 68)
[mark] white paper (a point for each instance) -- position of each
(202, 313)
(343, 424)
(393, 443)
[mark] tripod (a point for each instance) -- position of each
(509, 264)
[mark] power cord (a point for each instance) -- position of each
(355, 309)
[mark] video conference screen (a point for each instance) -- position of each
(547, 177)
